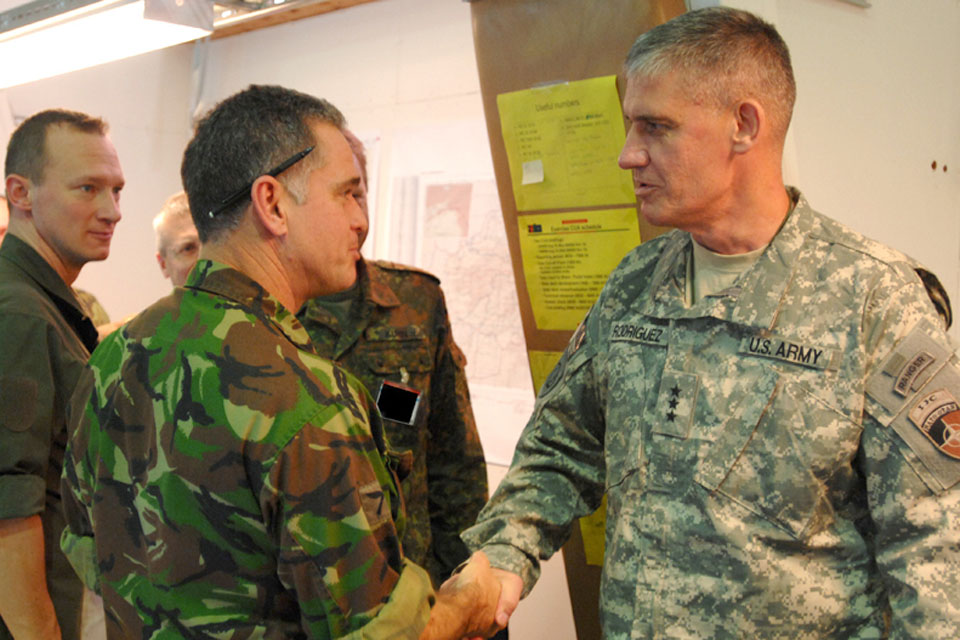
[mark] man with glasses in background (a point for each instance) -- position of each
(178, 244)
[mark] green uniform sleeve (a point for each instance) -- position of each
(78, 479)
(456, 469)
(557, 473)
(27, 418)
(339, 551)
(911, 467)
(406, 613)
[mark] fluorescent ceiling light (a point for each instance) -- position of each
(93, 34)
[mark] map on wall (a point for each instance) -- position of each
(462, 241)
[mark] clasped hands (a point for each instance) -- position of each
(474, 603)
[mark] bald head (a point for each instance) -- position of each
(178, 244)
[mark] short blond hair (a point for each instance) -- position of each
(177, 207)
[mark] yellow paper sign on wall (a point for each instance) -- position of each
(562, 144)
(541, 364)
(567, 258)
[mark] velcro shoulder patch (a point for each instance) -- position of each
(910, 366)
(919, 386)
(930, 425)
(937, 415)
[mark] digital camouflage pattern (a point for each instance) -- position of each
(399, 330)
(764, 475)
(232, 482)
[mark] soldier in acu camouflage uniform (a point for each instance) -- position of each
(767, 397)
(223, 480)
(393, 325)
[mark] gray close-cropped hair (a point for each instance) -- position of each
(722, 55)
(243, 137)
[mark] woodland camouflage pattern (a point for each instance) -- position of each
(231, 481)
(400, 331)
(764, 475)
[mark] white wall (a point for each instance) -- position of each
(878, 102)
(145, 101)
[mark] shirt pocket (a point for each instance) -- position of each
(779, 454)
(623, 455)
(398, 353)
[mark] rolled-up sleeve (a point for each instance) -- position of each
(26, 413)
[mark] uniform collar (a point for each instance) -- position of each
(756, 297)
(26, 259)
(37, 269)
(224, 281)
(376, 285)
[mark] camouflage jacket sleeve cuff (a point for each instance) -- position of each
(82, 554)
(512, 559)
(406, 613)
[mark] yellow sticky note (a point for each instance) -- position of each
(562, 145)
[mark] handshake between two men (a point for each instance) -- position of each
(474, 603)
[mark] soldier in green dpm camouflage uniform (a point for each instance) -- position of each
(222, 480)
(261, 454)
(766, 397)
(393, 325)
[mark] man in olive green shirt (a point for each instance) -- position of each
(63, 182)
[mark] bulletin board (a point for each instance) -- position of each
(556, 56)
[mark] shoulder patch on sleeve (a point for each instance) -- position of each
(911, 364)
(919, 386)
(937, 415)
(930, 425)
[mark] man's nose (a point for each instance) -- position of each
(634, 153)
(110, 207)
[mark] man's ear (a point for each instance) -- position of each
(19, 192)
(750, 118)
(266, 197)
(163, 265)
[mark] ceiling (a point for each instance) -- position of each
(238, 16)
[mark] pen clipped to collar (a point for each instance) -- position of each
(240, 194)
